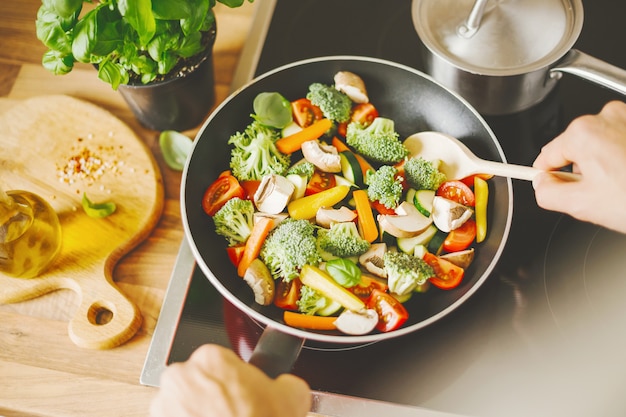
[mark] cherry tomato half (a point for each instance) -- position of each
(220, 191)
(391, 312)
(364, 113)
(364, 288)
(381, 208)
(250, 187)
(235, 253)
(447, 274)
(320, 181)
(304, 112)
(287, 294)
(457, 191)
(460, 238)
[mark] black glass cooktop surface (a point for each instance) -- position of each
(543, 336)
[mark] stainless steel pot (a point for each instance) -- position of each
(504, 56)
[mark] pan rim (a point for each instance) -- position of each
(320, 337)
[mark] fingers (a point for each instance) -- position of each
(299, 400)
(214, 381)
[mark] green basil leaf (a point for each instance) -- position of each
(272, 109)
(172, 9)
(344, 271)
(97, 211)
(85, 37)
(191, 45)
(64, 8)
(138, 13)
(50, 31)
(112, 73)
(232, 3)
(193, 23)
(56, 63)
(176, 147)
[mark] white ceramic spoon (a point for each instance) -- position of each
(457, 161)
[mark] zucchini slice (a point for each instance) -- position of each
(423, 201)
(350, 168)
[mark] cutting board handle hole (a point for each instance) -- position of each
(99, 314)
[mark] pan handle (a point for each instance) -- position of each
(591, 69)
(276, 352)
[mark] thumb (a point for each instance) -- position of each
(554, 193)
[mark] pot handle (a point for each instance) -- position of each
(592, 69)
(276, 352)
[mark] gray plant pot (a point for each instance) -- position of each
(180, 103)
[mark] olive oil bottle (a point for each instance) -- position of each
(30, 234)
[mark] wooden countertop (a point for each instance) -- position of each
(42, 373)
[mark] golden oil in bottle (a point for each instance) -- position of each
(30, 234)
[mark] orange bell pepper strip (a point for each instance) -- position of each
(260, 230)
(365, 216)
(308, 321)
(292, 143)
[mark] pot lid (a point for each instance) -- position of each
(513, 36)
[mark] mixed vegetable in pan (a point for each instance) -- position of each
(327, 215)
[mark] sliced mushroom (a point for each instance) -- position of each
(259, 278)
(372, 260)
(323, 156)
(449, 215)
(357, 323)
(273, 194)
(407, 222)
(326, 217)
(461, 258)
(352, 85)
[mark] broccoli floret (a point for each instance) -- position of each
(234, 220)
(304, 168)
(405, 272)
(384, 186)
(255, 154)
(422, 174)
(290, 246)
(379, 141)
(334, 104)
(342, 240)
(312, 301)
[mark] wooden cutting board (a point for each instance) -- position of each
(39, 140)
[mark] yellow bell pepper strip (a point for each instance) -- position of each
(308, 321)
(290, 144)
(327, 286)
(481, 194)
(306, 207)
(365, 216)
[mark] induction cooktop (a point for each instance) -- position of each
(543, 336)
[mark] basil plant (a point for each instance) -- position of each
(127, 40)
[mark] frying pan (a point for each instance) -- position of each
(416, 103)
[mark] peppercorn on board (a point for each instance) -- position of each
(60, 148)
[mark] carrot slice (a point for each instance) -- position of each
(307, 321)
(252, 250)
(342, 147)
(365, 216)
(292, 143)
